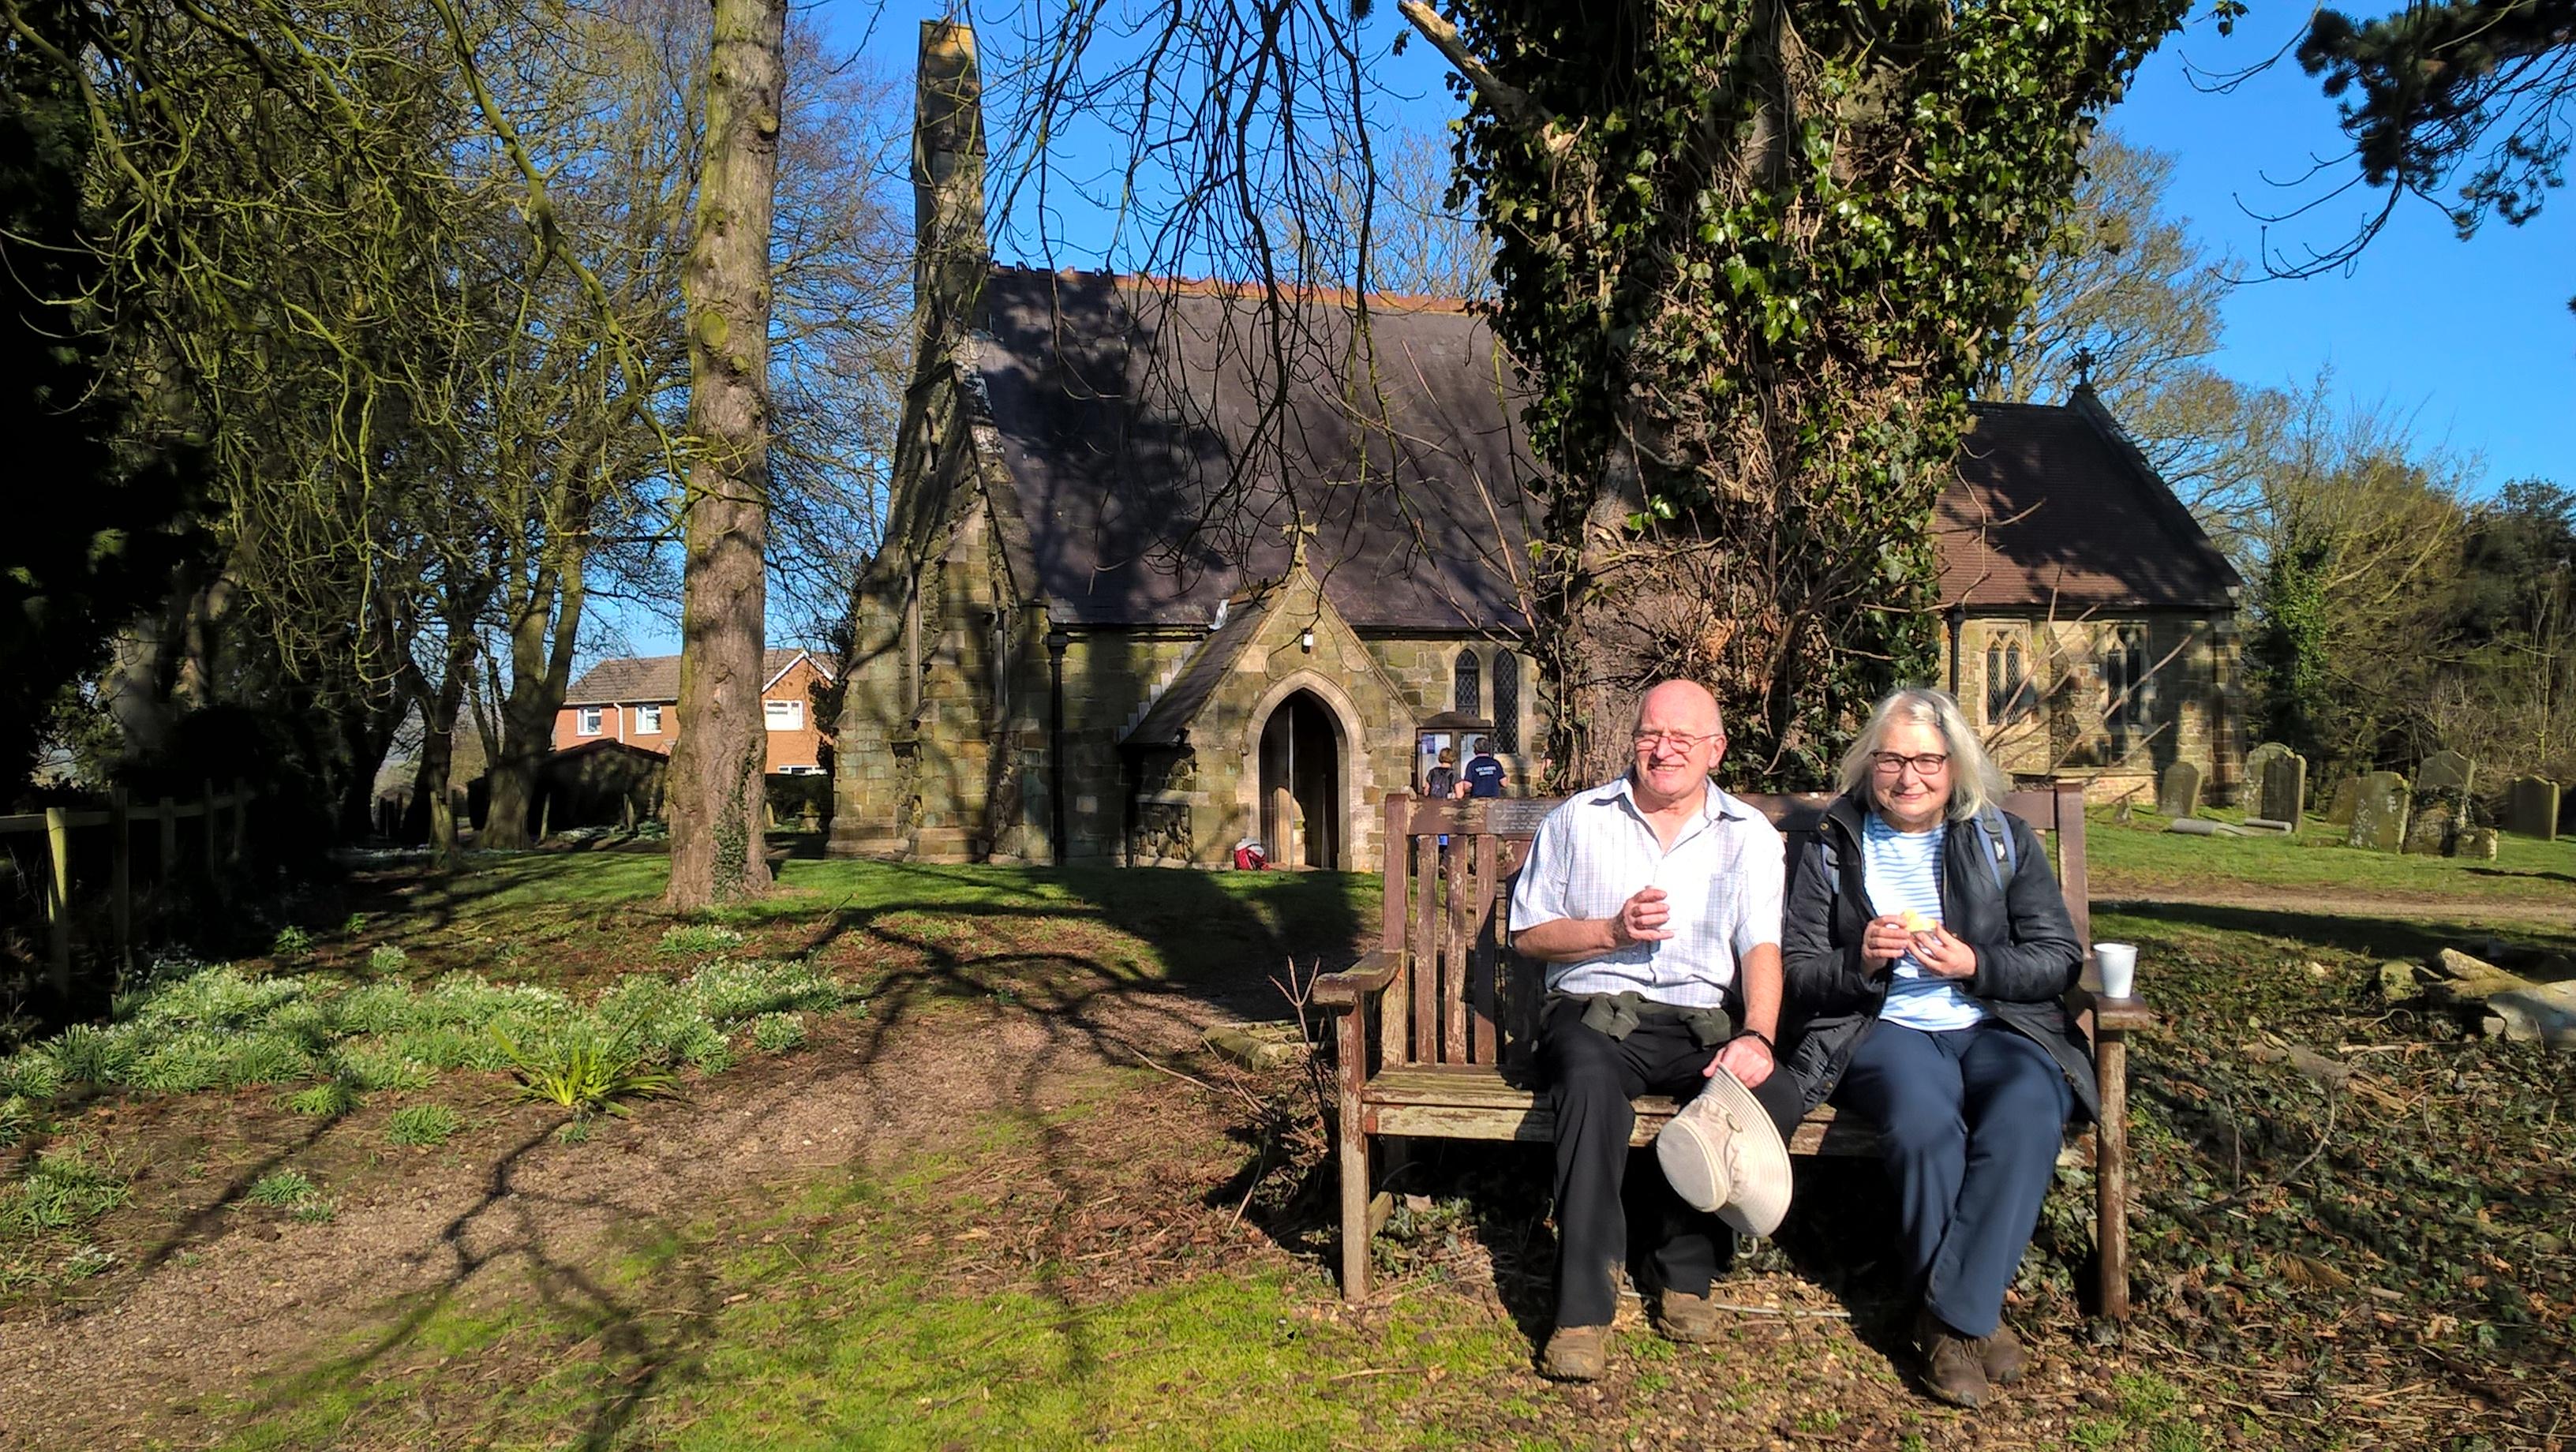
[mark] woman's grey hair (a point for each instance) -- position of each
(1976, 783)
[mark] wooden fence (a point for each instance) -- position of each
(222, 818)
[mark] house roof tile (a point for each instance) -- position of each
(644, 679)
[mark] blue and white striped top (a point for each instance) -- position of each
(1904, 874)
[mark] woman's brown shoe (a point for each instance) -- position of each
(1952, 1368)
(2003, 1356)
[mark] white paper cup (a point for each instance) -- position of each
(2118, 963)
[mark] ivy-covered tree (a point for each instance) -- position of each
(1753, 255)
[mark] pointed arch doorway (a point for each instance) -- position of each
(1301, 783)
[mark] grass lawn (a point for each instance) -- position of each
(2143, 859)
(1002, 1200)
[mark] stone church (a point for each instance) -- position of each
(1169, 569)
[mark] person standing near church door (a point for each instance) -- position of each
(1442, 780)
(1484, 773)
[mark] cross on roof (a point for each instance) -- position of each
(1297, 534)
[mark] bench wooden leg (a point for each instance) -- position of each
(2111, 1172)
(1355, 1204)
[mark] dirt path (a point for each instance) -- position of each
(225, 1298)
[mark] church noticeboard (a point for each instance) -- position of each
(1510, 818)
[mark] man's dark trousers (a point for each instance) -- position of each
(1591, 1078)
(1971, 1119)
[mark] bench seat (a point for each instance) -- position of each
(1440, 1102)
(1437, 1029)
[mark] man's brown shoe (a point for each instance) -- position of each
(2002, 1356)
(1685, 1317)
(1576, 1353)
(1952, 1368)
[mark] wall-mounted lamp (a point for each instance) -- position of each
(1306, 639)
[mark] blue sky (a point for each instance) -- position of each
(2473, 339)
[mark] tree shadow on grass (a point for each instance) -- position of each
(638, 1346)
(1082, 967)
(2510, 872)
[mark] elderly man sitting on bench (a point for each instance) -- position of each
(1655, 902)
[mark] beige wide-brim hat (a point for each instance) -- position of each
(1723, 1155)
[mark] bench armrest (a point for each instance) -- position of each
(1347, 990)
(2113, 1013)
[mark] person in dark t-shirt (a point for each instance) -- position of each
(1484, 774)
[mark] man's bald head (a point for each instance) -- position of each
(1680, 706)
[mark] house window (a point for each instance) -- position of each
(1507, 702)
(648, 720)
(585, 721)
(2009, 696)
(1468, 692)
(785, 715)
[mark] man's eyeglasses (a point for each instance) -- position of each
(1678, 740)
(1929, 763)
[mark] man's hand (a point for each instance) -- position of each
(1945, 956)
(1882, 942)
(1747, 1058)
(1641, 919)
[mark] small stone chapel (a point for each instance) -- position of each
(1168, 569)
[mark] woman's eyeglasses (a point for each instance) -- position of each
(1929, 763)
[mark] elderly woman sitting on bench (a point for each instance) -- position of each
(1926, 947)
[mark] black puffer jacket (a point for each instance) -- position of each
(2027, 955)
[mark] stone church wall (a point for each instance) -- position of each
(2060, 720)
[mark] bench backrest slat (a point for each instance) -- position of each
(1485, 951)
(1474, 1002)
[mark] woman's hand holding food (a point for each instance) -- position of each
(1943, 955)
(1889, 938)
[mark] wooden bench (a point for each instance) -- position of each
(1437, 1031)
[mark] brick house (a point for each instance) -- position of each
(635, 700)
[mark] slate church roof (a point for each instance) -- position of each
(2054, 508)
(1120, 407)
(1121, 404)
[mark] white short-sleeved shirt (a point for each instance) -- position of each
(1722, 881)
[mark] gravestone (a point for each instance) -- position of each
(2339, 811)
(2441, 807)
(2281, 792)
(2258, 759)
(2434, 825)
(2179, 793)
(2445, 771)
(2531, 808)
(2379, 812)
(2476, 842)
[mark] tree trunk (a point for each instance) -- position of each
(543, 630)
(716, 765)
(431, 785)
